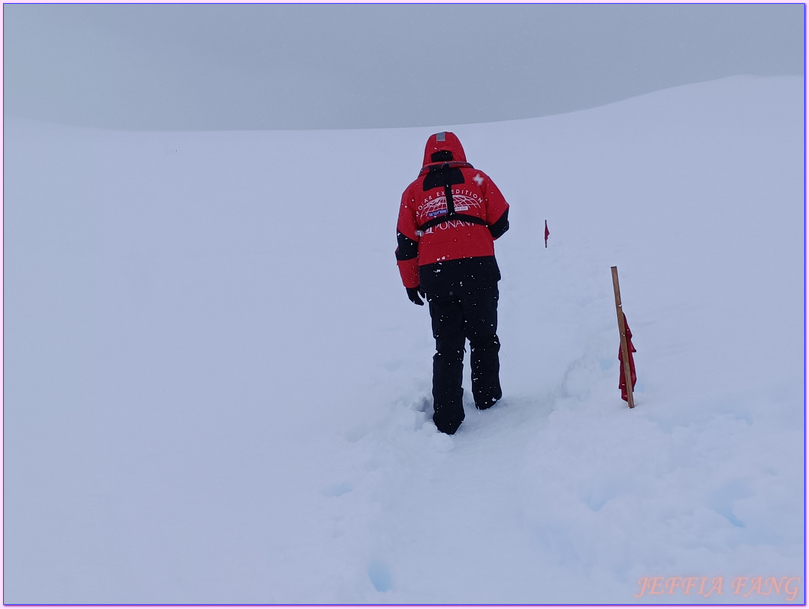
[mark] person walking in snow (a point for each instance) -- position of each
(448, 220)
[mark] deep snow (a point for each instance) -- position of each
(215, 388)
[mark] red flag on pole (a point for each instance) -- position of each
(547, 232)
(630, 349)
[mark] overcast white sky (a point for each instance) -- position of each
(250, 66)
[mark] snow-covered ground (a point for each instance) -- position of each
(216, 390)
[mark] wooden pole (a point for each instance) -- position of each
(622, 330)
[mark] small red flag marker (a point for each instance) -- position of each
(547, 233)
(627, 383)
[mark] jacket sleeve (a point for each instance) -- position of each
(496, 208)
(407, 251)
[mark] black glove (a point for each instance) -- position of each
(413, 295)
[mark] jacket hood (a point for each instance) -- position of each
(445, 141)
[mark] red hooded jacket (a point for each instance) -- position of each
(451, 211)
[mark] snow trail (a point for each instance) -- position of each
(216, 390)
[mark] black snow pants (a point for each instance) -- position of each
(463, 295)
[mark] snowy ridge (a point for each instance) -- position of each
(216, 390)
